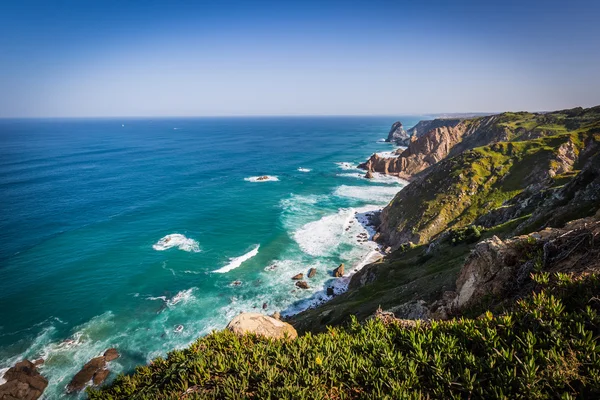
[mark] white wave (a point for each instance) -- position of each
(318, 238)
(382, 140)
(346, 165)
(304, 169)
(263, 178)
(2, 372)
(322, 237)
(183, 296)
(387, 154)
(237, 261)
(177, 240)
(377, 178)
(377, 194)
(163, 298)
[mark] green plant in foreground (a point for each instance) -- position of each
(545, 347)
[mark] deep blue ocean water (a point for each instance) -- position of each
(84, 204)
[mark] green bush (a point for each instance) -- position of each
(470, 234)
(545, 347)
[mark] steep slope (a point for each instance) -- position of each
(459, 190)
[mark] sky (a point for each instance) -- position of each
(84, 58)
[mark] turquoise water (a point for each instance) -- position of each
(85, 203)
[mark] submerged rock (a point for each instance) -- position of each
(23, 381)
(261, 325)
(339, 271)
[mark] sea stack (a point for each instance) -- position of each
(398, 135)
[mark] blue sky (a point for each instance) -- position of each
(194, 58)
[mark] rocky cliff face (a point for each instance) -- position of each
(423, 127)
(398, 135)
(438, 143)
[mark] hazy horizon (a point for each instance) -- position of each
(208, 59)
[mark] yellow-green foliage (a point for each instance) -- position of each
(545, 347)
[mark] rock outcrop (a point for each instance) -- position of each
(297, 277)
(500, 269)
(23, 382)
(425, 126)
(398, 135)
(302, 285)
(312, 272)
(95, 371)
(339, 271)
(263, 325)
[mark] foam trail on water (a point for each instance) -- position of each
(177, 240)
(304, 169)
(182, 296)
(346, 165)
(378, 194)
(264, 178)
(237, 261)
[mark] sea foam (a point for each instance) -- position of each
(304, 169)
(177, 240)
(237, 261)
(346, 165)
(376, 194)
(263, 178)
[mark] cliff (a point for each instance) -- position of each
(450, 137)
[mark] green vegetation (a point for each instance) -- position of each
(470, 234)
(459, 190)
(544, 347)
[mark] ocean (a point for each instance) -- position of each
(144, 234)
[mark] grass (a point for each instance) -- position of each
(545, 347)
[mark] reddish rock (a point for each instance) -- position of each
(312, 272)
(23, 382)
(297, 277)
(339, 271)
(302, 285)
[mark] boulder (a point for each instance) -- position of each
(111, 354)
(263, 325)
(265, 305)
(23, 381)
(302, 285)
(86, 374)
(312, 272)
(369, 175)
(297, 277)
(95, 371)
(339, 271)
(330, 291)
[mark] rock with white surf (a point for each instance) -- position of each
(23, 382)
(262, 325)
(95, 371)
